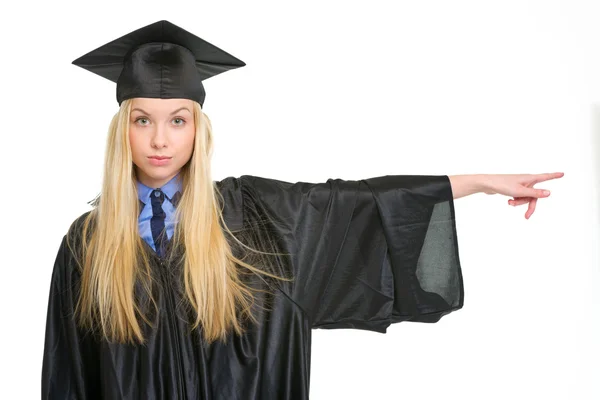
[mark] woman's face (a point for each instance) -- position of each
(160, 128)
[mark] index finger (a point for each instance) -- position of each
(548, 176)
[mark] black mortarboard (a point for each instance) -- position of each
(160, 60)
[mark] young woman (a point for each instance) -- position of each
(175, 286)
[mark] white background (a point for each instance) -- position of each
(351, 90)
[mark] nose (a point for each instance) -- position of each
(159, 138)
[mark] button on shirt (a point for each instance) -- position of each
(172, 191)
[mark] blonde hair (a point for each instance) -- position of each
(113, 260)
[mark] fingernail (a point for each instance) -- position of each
(546, 192)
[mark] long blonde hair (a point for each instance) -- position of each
(111, 253)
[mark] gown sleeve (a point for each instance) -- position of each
(69, 358)
(365, 253)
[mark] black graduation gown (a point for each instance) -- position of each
(364, 254)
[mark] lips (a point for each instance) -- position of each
(159, 161)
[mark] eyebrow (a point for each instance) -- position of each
(174, 112)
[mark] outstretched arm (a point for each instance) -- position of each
(517, 186)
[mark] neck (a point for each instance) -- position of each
(154, 183)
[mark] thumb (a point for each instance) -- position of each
(537, 193)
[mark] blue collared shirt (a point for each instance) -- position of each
(169, 189)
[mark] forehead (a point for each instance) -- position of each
(160, 106)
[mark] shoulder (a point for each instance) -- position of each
(240, 194)
(67, 269)
(227, 183)
(71, 244)
(80, 220)
(245, 182)
(78, 224)
(231, 194)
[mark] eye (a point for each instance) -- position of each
(182, 121)
(140, 119)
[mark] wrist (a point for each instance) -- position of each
(483, 184)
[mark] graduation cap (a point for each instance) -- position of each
(160, 60)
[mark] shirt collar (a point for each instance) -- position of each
(169, 189)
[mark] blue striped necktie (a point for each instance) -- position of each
(157, 222)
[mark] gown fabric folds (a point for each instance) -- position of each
(363, 254)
